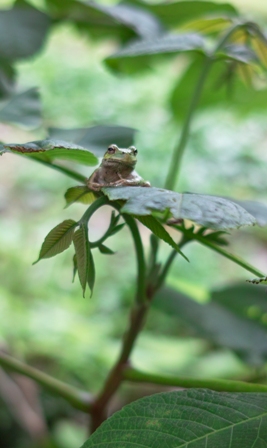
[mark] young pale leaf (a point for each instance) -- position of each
(196, 418)
(173, 14)
(208, 211)
(154, 225)
(85, 262)
(207, 25)
(58, 239)
(105, 250)
(79, 194)
(96, 138)
(23, 109)
(49, 150)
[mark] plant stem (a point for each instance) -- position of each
(131, 374)
(178, 152)
(77, 398)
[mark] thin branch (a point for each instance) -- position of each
(131, 374)
(77, 398)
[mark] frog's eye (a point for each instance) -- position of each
(112, 149)
(134, 150)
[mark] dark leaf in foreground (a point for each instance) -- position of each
(196, 418)
(209, 211)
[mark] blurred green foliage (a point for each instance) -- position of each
(44, 318)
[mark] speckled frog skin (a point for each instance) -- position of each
(117, 170)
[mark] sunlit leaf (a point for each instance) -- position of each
(22, 31)
(173, 14)
(196, 418)
(58, 239)
(209, 211)
(23, 109)
(139, 51)
(49, 150)
(85, 262)
(79, 194)
(260, 48)
(154, 225)
(96, 138)
(207, 25)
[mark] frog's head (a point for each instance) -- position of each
(126, 156)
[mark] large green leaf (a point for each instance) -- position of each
(172, 14)
(223, 88)
(137, 55)
(195, 418)
(22, 31)
(48, 150)
(84, 259)
(23, 108)
(96, 138)
(154, 225)
(216, 323)
(58, 239)
(122, 20)
(209, 211)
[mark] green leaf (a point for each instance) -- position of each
(256, 209)
(22, 31)
(85, 262)
(217, 324)
(122, 20)
(196, 418)
(172, 14)
(105, 250)
(216, 237)
(157, 229)
(96, 138)
(58, 239)
(133, 56)
(208, 211)
(75, 267)
(48, 150)
(223, 88)
(244, 300)
(23, 109)
(207, 25)
(7, 79)
(79, 194)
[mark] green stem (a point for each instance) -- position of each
(220, 250)
(131, 374)
(139, 250)
(77, 398)
(180, 148)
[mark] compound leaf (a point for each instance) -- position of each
(58, 239)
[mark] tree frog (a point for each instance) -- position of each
(117, 170)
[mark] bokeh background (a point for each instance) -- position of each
(44, 318)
